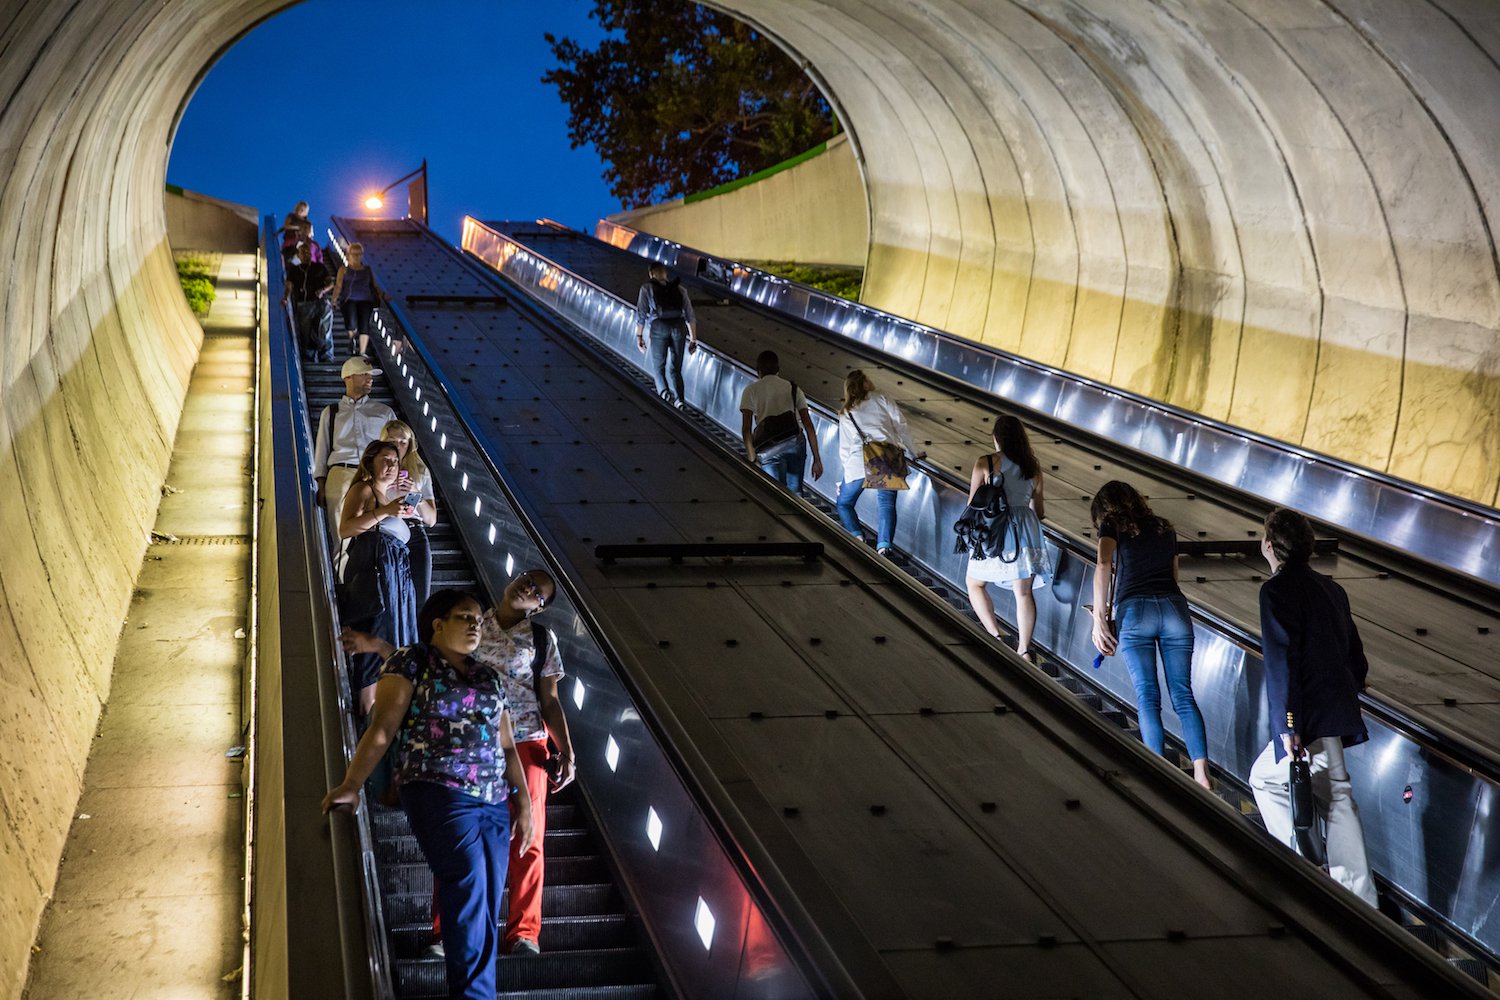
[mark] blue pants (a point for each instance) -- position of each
(787, 468)
(1146, 625)
(467, 845)
(885, 523)
(668, 348)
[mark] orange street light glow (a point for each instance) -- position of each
(373, 202)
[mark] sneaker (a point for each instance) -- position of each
(680, 404)
(524, 946)
(434, 950)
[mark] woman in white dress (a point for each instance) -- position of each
(1015, 463)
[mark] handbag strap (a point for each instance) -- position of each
(857, 429)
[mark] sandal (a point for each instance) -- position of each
(1027, 655)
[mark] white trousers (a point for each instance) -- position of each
(334, 489)
(1336, 807)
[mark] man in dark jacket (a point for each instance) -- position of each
(1315, 668)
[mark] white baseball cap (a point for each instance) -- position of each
(359, 365)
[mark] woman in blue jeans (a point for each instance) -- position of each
(458, 766)
(1136, 572)
(866, 414)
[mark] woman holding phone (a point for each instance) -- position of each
(377, 596)
(415, 485)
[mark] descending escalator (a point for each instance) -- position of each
(593, 946)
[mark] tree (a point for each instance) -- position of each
(678, 98)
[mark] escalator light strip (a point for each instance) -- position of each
(452, 459)
(612, 753)
(424, 409)
(466, 486)
(492, 534)
(476, 502)
(510, 564)
(434, 423)
(443, 443)
(578, 694)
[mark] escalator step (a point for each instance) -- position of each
(557, 900)
(427, 977)
(1471, 967)
(1425, 933)
(562, 817)
(559, 934)
(415, 876)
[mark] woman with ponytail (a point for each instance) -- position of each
(1136, 572)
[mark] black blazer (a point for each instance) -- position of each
(1315, 663)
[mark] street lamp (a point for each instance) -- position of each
(416, 194)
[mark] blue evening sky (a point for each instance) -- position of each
(334, 98)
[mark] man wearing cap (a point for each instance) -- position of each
(343, 432)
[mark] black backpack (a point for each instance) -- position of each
(987, 528)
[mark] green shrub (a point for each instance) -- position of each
(197, 272)
(844, 282)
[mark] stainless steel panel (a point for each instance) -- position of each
(1227, 668)
(1449, 531)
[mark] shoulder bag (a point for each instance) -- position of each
(886, 467)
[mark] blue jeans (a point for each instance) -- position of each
(885, 524)
(1146, 625)
(467, 845)
(787, 468)
(668, 338)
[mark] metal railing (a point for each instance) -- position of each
(1449, 532)
(1460, 787)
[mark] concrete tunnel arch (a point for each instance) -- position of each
(1278, 214)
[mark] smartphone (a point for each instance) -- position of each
(413, 498)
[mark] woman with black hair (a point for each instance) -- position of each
(1013, 467)
(665, 311)
(458, 767)
(1136, 572)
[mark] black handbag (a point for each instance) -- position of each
(986, 529)
(1304, 812)
(779, 434)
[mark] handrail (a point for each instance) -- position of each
(499, 521)
(1228, 654)
(1454, 534)
(355, 847)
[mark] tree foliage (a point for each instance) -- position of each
(678, 98)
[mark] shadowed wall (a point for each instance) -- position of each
(1276, 213)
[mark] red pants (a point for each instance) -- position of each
(524, 878)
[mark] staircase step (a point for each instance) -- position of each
(415, 876)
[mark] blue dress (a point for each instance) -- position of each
(378, 596)
(1033, 561)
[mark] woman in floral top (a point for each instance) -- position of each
(458, 765)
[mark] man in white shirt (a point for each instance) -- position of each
(343, 432)
(780, 447)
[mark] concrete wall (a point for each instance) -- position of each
(1278, 214)
(198, 222)
(97, 348)
(812, 213)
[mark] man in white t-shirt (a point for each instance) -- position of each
(343, 431)
(776, 426)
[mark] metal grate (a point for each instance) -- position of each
(165, 539)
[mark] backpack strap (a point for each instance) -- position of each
(539, 639)
(857, 429)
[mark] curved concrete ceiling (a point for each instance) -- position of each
(1276, 213)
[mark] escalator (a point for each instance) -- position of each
(1435, 870)
(592, 946)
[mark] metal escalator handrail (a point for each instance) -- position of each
(1384, 509)
(1447, 746)
(830, 980)
(1435, 737)
(336, 714)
